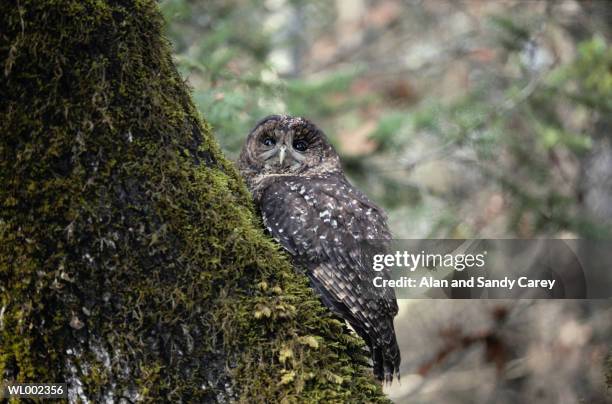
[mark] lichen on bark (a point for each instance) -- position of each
(131, 262)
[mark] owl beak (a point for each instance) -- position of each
(281, 154)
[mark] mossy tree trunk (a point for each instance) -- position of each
(131, 262)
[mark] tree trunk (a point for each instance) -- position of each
(131, 262)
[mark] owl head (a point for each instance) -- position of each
(281, 144)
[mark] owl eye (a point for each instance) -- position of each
(300, 145)
(268, 141)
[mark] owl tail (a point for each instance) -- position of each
(385, 353)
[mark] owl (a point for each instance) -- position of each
(312, 210)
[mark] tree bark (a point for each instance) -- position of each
(132, 264)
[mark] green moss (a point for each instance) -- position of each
(130, 255)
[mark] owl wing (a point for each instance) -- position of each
(325, 224)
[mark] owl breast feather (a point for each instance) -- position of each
(305, 213)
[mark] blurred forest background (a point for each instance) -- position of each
(463, 119)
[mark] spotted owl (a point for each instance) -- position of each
(314, 212)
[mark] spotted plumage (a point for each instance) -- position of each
(312, 210)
